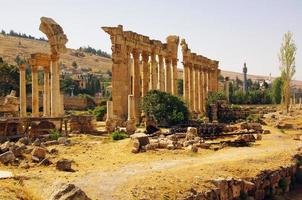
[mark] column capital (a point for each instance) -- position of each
(34, 68)
(135, 53)
(46, 69)
(54, 57)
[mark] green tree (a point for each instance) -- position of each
(9, 79)
(277, 90)
(166, 108)
(287, 57)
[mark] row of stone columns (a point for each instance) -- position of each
(52, 99)
(200, 77)
(153, 66)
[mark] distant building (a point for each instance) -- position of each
(244, 78)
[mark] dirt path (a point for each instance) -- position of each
(102, 185)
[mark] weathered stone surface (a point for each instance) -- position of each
(64, 165)
(69, 192)
(191, 133)
(141, 137)
(39, 152)
(7, 157)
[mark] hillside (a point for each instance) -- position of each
(10, 47)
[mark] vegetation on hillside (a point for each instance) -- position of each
(97, 52)
(21, 35)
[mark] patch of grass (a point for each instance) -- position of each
(54, 134)
(118, 135)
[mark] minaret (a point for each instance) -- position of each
(244, 78)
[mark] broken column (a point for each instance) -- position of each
(131, 125)
(110, 123)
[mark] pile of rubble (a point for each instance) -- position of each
(26, 153)
(192, 139)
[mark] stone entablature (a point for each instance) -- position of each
(200, 77)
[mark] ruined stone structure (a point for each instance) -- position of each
(244, 78)
(52, 98)
(139, 65)
(200, 77)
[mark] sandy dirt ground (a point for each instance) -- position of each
(108, 170)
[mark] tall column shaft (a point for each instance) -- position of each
(191, 90)
(161, 82)
(131, 112)
(205, 85)
(186, 83)
(174, 76)
(145, 75)
(136, 85)
(46, 94)
(168, 75)
(22, 91)
(55, 86)
(195, 88)
(201, 96)
(153, 72)
(35, 91)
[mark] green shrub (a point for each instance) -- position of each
(118, 135)
(254, 118)
(283, 183)
(165, 108)
(100, 112)
(54, 134)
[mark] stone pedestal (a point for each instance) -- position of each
(23, 90)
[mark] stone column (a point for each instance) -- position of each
(168, 74)
(136, 84)
(35, 91)
(46, 94)
(191, 88)
(205, 85)
(153, 74)
(300, 103)
(55, 86)
(161, 82)
(227, 89)
(174, 76)
(195, 88)
(130, 126)
(110, 124)
(23, 90)
(200, 91)
(186, 82)
(145, 74)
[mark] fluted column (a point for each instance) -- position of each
(168, 74)
(174, 76)
(195, 88)
(201, 90)
(186, 82)
(161, 82)
(136, 84)
(191, 88)
(145, 74)
(153, 72)
(205, 84)
(23, 90)
(46, 94)
(35, 91)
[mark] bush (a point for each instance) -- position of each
(54, 134)
(254, 118)
(165, 108)
(100, 112)
(118, 135)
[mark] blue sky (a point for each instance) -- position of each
(231, 31)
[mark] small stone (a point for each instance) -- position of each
(5, 146)
(194, 148)
(135, 150)
(64, 165)
(54, 151)
(7, 157)
(266, 131)
(68, 192)
(50, 143)
(37, 142)
(62, 140)
(24, 140)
